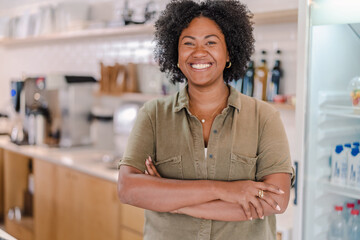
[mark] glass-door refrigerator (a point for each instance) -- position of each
(328, 59)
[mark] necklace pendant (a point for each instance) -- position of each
(203, 120)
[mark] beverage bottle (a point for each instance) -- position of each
(347, 212)
(274, 79)
(337, 229)
(353, 232)
(248, 81)
(337, 157)
(353, 166)
(260, 80)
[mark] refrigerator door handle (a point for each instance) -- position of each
(296, 182)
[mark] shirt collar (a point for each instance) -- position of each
(182, 100)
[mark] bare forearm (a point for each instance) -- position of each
(163, 195)
(224, 211)
(215, 210)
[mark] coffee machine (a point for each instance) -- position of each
(58, 109)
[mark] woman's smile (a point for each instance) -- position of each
(200, 66)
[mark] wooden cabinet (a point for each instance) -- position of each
(1, 185)
(73, 205)
(16, 172)
(132, 218)
(67, 204)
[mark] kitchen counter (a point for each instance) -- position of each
(5, 236)
(83, 159)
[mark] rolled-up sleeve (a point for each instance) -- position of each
(273, 149)
(141, 142)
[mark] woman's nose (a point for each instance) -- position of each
(200, 51)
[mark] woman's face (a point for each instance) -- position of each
(202, 52)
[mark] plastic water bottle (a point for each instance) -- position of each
(354, 225)
(347, 212)
(337, 225)
(337, 159)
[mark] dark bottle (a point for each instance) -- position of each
(248, 81)
(260, 80)
(275, 76)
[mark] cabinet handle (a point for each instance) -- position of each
(296, 182)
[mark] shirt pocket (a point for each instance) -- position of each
(242, 167)
(170, 168)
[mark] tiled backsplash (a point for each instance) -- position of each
(82, 56)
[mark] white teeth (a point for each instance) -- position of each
(200, 66)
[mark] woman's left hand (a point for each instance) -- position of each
(150, 168)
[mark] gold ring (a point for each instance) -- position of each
(261, 193)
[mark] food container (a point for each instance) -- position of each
(354, 89)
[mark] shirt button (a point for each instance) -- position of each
(210, 156)
(215, 131)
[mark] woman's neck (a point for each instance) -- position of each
(208, 97)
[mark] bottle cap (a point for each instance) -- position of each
(338, 208)
(339, 148)
(355, 212)
(348, 145)
(350, 205)
(356, 144)
(354, 151)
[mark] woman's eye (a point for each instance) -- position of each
(211, 43)
(188, 44)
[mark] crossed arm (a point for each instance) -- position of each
(216, 200)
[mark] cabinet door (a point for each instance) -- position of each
(1, 184)
(97, 205)
(132, 217)
(45, 203)
(72, 205)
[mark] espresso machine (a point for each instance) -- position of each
(58, 109)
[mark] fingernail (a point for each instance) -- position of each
(146, 172)
(278, 207)
(262, 217)
(250, 218)
(281, 191)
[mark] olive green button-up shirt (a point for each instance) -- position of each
(247, 141)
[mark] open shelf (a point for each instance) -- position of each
(87, 33)
(273, 17)
(283, 106)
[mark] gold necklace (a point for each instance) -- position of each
(203, 120)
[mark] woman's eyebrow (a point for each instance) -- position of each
(212, 35)
(207, 36)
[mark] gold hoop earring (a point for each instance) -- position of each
(178, 65)
(229, 65)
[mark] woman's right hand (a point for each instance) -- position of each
(246, 192)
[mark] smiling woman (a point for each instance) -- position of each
(207, 162)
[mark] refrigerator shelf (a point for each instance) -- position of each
(342, 190)
(341, 111)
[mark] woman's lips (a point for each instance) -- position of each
(200, 66)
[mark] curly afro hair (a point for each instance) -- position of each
(234, 20)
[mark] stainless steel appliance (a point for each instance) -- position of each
(58, 109)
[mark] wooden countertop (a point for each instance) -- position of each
(84, 159)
